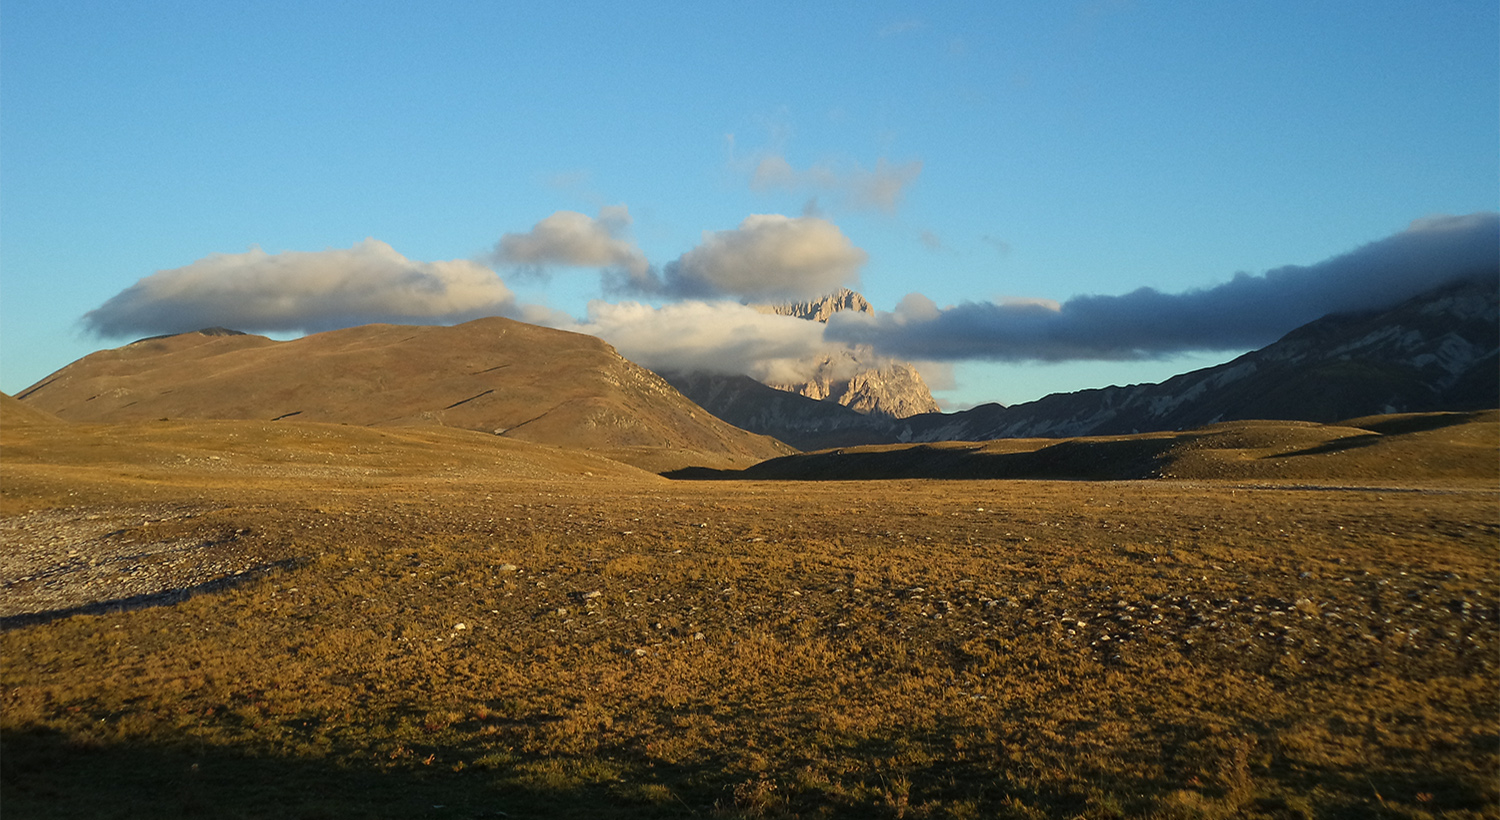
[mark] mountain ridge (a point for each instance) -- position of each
(1436, 351)
(494, 375)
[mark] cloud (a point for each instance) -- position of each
(733, 339)
(880, 189)
(901, 27)
(769, 256)
(1000, 245)
(1244, 313)
(573, 239)
(304, 291)
(716, 337)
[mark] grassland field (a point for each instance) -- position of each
(241, 620)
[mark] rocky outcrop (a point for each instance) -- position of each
(850, 396)
(818, 310)
(856, 378)
(884, 388)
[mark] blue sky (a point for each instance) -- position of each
(968, 152)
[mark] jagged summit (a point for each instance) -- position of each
(818, 310)
(857, 394)
(857, 379)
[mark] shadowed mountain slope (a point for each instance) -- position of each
(492, 375)
(803, 422)
(1459, 447)
(1437, 351)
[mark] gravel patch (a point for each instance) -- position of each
(61, 562)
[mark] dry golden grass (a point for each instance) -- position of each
(466, 627)
(492, 375)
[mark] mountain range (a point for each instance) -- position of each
(1436, 351)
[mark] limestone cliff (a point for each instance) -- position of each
(857, 378)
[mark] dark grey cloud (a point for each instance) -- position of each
(1244, 313)
(305, 291)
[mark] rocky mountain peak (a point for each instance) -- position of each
(867, 384)
(818, 310)
(857, 379)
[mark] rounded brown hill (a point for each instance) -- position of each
(494, 375)
(15, 413)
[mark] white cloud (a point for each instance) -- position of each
(768, 257)
(575, 239)
(717, 337)
(304, 291)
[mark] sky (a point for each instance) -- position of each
(1035, 196)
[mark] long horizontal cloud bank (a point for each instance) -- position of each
(304, 291)
(1243, 313)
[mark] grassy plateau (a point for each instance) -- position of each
(246, 619)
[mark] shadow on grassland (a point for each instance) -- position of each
(1071, 459)
(47, 774)
(134, 602)
(44, 773)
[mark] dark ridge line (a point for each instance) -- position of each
(37, 387)
(528, 421)
(216, 330)
(488, 369)
(471, 398)
(287, 415)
